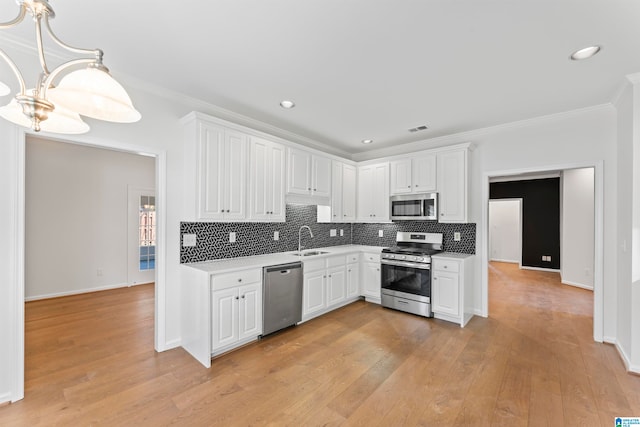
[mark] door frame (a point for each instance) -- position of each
(598, 270)
(18, 242)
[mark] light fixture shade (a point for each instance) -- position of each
(94, 93)
(60, 120)
(4, 89)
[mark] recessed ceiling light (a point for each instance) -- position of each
(367, 141)
(585, 53)
(287, 104)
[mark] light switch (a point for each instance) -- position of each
(276, 235)
(341, 232)
(232, 237)
(333, 232)
(456, 236)
(188, 240)
(380, 233)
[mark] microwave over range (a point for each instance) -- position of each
(422, 206)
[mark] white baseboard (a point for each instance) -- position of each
(552, 270)
(171, 345)
(76, 292)
(5, 398)
(510, 261)
(609, 340)
(577, 285)
(625, 359)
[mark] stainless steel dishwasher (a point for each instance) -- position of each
(282, 296)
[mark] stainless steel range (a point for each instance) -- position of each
(406, 272)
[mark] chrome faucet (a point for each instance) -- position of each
(300, 237)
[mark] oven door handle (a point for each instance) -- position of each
(417, 265)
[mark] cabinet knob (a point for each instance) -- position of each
(242, 296)
(442, 214)
(435, 278)
(309, 188)
(408, 186)
(239, 280)
(334, 215)
(315, 189)
(237, 298)
(445, 266)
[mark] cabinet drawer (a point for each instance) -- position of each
(335, 261)
(369, 257)
(237, 278)
(446, 265)
(313, 264)
(351, 258)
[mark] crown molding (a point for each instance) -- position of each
(443, 141)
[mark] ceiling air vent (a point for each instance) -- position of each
(418, 128)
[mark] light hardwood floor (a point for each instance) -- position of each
(90, 361)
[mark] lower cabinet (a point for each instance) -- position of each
(353, 279)
(313, 293)
(452, 287)
(371, 277)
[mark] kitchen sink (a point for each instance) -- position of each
(309, 253)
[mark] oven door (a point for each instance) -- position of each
(406, 278)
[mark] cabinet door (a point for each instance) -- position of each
(299, 176)
(250, 311)
(380, 193)
(371, 279)
(277, 174)
(314, 292)
(353, 280)
(224, 318)
(423, 172)
(336, 192)
(321, 176)
(452, 186)
(211, 171)
(235, 179)
(400, 180)
(348, 193)
(365, 190)
(445, 292)
(336, 285)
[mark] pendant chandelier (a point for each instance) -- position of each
(86, 87)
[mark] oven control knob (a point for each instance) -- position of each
(391, 256)
(402, 257)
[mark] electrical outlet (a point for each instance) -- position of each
(341, 232)
(232, 237)
(99, 272)
(380, 233)
(276, 235)
(456, 236)
(188, 240)
(544, 257)
(549, 258)
(333, 233)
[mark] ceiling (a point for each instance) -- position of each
(363, 69)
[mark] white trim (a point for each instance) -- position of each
(510, 261)
(626, 360)
(550, 270)
(576, 285)
(80, 291)
(598, 276)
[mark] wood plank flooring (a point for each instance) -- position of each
(90, 361)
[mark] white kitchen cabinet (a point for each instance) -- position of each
(308, 174)
(452, 287)
(371, 277)
(452, 185)
(353, 276)
(236, 310)
(267, 177)
(313, 291)
(413, 175)
(373, 193)
(343, 192)
(216, 165)
(336, 285)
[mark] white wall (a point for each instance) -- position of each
(577, 239)
(76, 216)
(505, 236)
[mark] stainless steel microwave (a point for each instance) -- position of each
(422, 206)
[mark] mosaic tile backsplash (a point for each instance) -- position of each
(257, 238)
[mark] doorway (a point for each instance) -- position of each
(596, 237)
(141, 225)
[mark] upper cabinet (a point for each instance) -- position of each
(413, 175)
(452, 185)
(308, 174)
(267, 176)
(216, 158)
(343, 192)
(373, 193)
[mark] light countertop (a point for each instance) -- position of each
(234, 264)
(451, 255)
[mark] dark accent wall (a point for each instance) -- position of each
(540, 218)
(254, 238)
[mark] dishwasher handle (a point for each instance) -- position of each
(283, 268)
